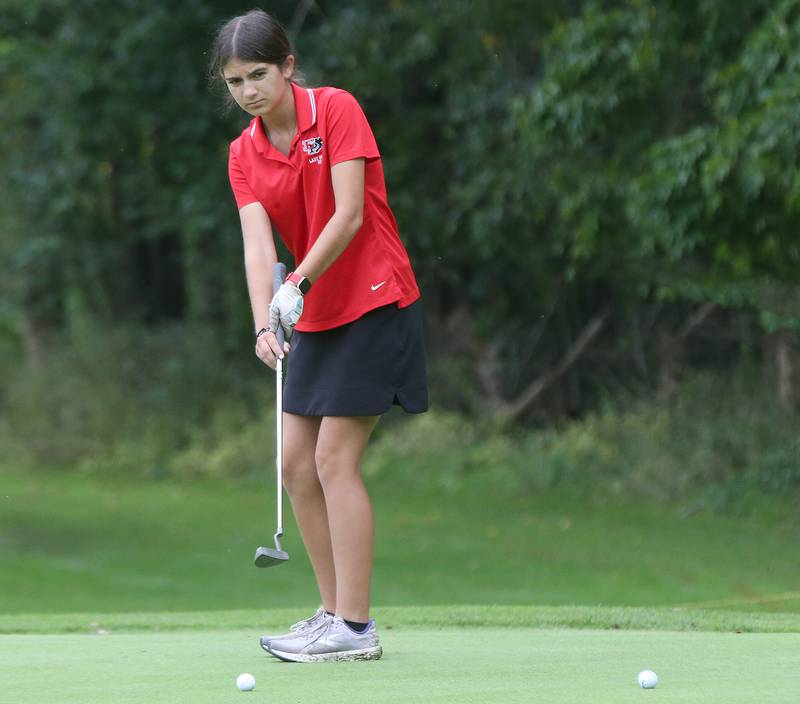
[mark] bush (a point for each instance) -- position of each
(129, 400)
(168, 403)
(233, 444)
(719, 444)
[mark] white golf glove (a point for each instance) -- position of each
(286, 308)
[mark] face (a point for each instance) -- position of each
(258, 88)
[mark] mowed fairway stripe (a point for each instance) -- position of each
(480, 665)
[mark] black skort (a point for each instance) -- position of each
(361, 368)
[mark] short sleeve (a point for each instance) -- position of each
(349, 135)
(241, 189)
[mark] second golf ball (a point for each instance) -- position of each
(647, 679)
(246, 682)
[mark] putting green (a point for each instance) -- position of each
(481, 665)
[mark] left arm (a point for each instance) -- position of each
(348, 192)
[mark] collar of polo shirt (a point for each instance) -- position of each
(305, 106)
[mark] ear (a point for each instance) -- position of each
(288, 67)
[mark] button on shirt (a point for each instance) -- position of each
(297, 194)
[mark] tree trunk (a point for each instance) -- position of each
(670, 361)
(33, 340)
(514, 409)
(671, 349)
(782, 359)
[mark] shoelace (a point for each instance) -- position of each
(305, 623)
(314, 632)
(318, 630)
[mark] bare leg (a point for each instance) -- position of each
(308, 501)
(340, 445)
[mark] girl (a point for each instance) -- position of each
(308, 166)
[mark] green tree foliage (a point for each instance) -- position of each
(671, 139)
(572, 179)
(115, 163)
(439, 81)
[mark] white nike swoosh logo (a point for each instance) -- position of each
(375, 288)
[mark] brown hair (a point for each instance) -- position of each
(256, 36)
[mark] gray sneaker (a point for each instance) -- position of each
(307, 625)
(334, 641)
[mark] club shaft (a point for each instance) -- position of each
(278, 276)
(279, 446)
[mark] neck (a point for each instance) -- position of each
(283, 118)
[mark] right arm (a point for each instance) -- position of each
(260, 258)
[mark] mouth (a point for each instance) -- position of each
(255, 104)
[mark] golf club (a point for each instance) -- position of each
(267, 557)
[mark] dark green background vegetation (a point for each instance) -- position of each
(600, 200)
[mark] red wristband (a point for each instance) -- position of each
(300, 281)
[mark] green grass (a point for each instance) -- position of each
(481, 665)
(588, 617)
(85, 544)
(124, 591)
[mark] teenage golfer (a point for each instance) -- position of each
(308, 166)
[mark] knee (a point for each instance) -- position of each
(332, 464)
(299, 473)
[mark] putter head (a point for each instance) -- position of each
(267, 557)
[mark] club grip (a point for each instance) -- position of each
(278, 277)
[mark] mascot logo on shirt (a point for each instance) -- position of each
(312, 146)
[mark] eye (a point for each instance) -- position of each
(259, 74)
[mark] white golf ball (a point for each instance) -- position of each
(647, 679)
(246, 682)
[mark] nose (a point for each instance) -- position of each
(249, 90)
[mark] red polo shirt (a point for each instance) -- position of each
(297, 193)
